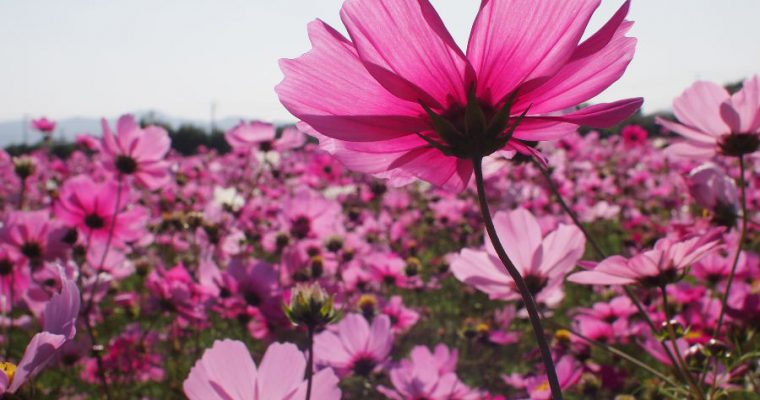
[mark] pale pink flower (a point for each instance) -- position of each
(714, 121)
(227, 372)
(33, 236)
(431, 376)
(354, 346)
(137, 152)
(388, 101)
(663, 264)
(542, 261)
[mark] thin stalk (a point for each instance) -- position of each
(527, 297)
(742, 238)
(310, 364)
(598, 249)
(22, 194)
(91, 300)
(672, 333)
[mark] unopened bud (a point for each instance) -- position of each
(311, 306)
(24, 167)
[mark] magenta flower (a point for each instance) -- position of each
(137, 152)
(634, 135)
(90, 207)
(355, 346)
(542, 261)
(714, 121)
(59, 326)
(227, 372)
(426, 375)
(401, 99)
(44, 125)
(33, 236)
(662, 265)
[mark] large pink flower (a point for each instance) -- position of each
(714, 121)
(227, 372)
(542, 261)
(136, 151)
(400, 99)
(90, 207)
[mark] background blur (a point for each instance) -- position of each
(202, 60)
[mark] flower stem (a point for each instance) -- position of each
(527, 297)
(22, 194)
(310, 364)
(672, 334)
(742, 238)
(598, 249)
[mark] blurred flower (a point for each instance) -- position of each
(714, 121)
(44, 125)
(353, 346)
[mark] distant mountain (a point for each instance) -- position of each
(19, 131)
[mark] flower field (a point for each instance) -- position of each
(470, 231)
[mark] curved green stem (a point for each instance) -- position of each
(674, 340)
(527, 297)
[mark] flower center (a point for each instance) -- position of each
(95, 221)
(364, 365)
(535, 283)
(6, 267)
(739, 144)
(32, 250)
(9, 369)
(126, 164)
(301, 227)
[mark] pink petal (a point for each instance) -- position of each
(62, 311)
(513, 41)
(324, 387)
(381, 338)
(40, 350)
(594, 65)
(281, 371)
(699, 107)
(354, 332)
(599, 115)
(520, 235)
(563, 248)
(330, 89)
(226, 371)
(742, 111)
(406, 47)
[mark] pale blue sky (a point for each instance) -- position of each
(102, 57)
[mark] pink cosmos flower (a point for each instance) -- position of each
(256, 135)
(137, 152)
(663, 264)
(542, 261)
(130, 357)
(354, 346)
(394, 99)
(59, 326)
(227, 372)
(634, 135)
(431, 376)
(569, 372)
(90, 207)
(402, 318)
(44, 125)
(33, 236)
(714, 121)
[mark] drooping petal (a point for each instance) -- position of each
(62, 311)
(406, 47)
(514, 41)
(330, 89)
(742, 111)
(602, 115)
(40, 350)
(225, 372)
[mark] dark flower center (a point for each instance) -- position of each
(301, 227)
(126, 164)
(252, 299)
(364, 366)
(665, 277)
(739, 144)
(535, 283)
(32, 250)
(266, 146)
(6, 267)
(95, 221)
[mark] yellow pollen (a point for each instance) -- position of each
(483, 328)
(693, 335)
(9, 369)
(543, 387)
(367, 301)
(563, 335)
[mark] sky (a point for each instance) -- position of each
(106, 57)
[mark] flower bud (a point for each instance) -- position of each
(310, 306)
(24, 167)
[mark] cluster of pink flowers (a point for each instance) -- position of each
(275, 272)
